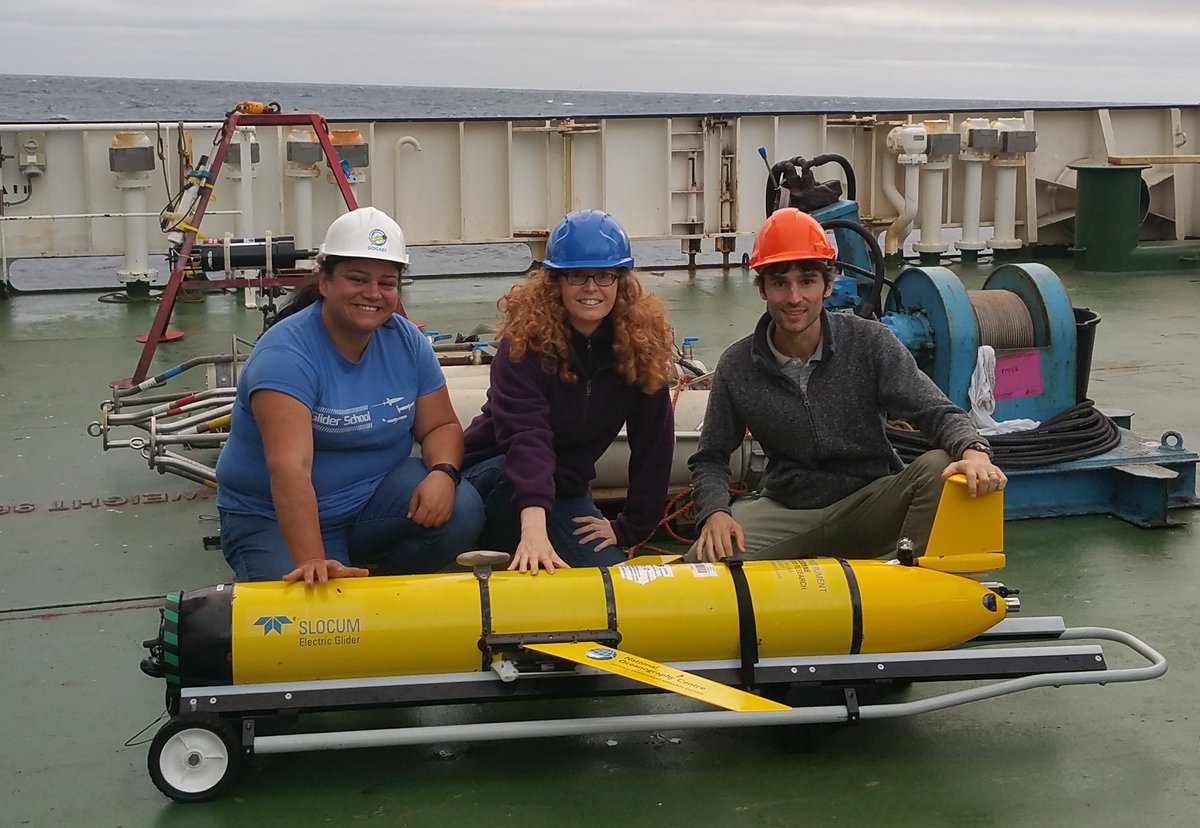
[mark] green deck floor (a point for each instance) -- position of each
(82, 568)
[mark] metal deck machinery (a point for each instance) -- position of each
(1077, 461)
(1042, 361)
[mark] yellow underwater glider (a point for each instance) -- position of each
(736, 635)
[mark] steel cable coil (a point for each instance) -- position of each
(1002, 319)
(1080, 431)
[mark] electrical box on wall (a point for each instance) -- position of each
(31, 153)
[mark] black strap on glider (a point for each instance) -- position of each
(747, 627)
(856, 622)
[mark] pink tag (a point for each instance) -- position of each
(1018, 374)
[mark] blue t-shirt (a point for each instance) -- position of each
(362, 412)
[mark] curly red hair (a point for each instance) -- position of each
(533, 318)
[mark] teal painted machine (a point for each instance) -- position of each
(1043, 351)
(858, 287)
(854, 285)
(1042, 344)
(1023, 312)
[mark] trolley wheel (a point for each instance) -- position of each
(814, 737)
(194, 757)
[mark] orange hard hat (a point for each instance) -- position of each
(787, 235)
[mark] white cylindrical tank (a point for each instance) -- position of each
(243, 170)
(1006, 163)
(303, 155)
(931, 186)
(468, 392)
(978, 139)
(908, 143)
(131, 159)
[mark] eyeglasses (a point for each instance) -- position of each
(602, 278)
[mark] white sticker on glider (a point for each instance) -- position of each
(645, 573)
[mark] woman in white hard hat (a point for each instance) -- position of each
(585, 352)
(316, 478)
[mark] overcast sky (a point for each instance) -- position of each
(1145, 51)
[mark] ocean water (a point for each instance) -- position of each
(39, 98)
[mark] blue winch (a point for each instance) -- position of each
(1077, 461)
(1022, 312)
(1042, 345)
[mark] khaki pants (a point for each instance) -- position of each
(865, 524)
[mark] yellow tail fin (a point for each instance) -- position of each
(968, 532)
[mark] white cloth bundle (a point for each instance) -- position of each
(983, 397)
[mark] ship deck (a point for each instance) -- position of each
(91, 541)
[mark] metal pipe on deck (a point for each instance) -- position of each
(888, 181)
(303, 154)
(978, 140)
(897, 231)
(909, 143)
(1005, 220)
(106, 214)
(929, 239)
(137, 264)
(1015, 141)
(131, 159)
(242, 157)
(972, 196)
(940, 145)
(406, 141)
(113, 126)
(304, 212)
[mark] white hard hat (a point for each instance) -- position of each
(365, 233)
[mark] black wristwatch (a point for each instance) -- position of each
(978, 445)
(454, 473)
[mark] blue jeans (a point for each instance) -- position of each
(380, 534)
(502, 525)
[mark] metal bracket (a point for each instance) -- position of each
(506, 670)
(1143, 494)
(852, 711)
(552, 637)
(248, 737)
(174, 283)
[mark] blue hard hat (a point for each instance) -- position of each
(587, 238)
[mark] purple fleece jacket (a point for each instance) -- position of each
(552, 433)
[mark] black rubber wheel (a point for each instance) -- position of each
(805, 738)
(194, 757)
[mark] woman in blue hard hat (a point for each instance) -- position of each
(316, 477)
(584, 351)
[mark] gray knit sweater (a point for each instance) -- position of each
(825, 443)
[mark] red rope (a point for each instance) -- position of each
(673, 509)
(679, 383)
(676, 506)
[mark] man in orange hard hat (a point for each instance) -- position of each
(815, 390)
